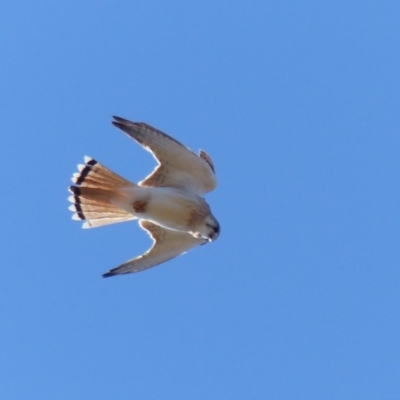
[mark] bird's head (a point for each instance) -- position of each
(208, 230)
(212, 228)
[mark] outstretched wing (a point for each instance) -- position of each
(178, 166)
(167, 244)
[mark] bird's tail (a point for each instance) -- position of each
(96, 193)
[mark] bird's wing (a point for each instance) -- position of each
(167, 244)
(178, 166)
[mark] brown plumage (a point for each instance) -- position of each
(169, 202)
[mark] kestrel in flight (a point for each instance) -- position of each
(168, 203)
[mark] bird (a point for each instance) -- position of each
(168, 203)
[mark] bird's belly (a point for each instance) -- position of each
(173, 210)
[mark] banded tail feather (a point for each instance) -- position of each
(93, 196)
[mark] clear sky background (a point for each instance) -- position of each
(298, 104)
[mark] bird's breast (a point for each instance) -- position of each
(175, 209)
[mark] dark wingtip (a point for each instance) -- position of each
(118, 124)
(108, 274)
(121, 120)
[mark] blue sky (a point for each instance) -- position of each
(297, 102)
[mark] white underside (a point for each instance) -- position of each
(168, 207)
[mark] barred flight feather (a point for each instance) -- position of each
(92, 199)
